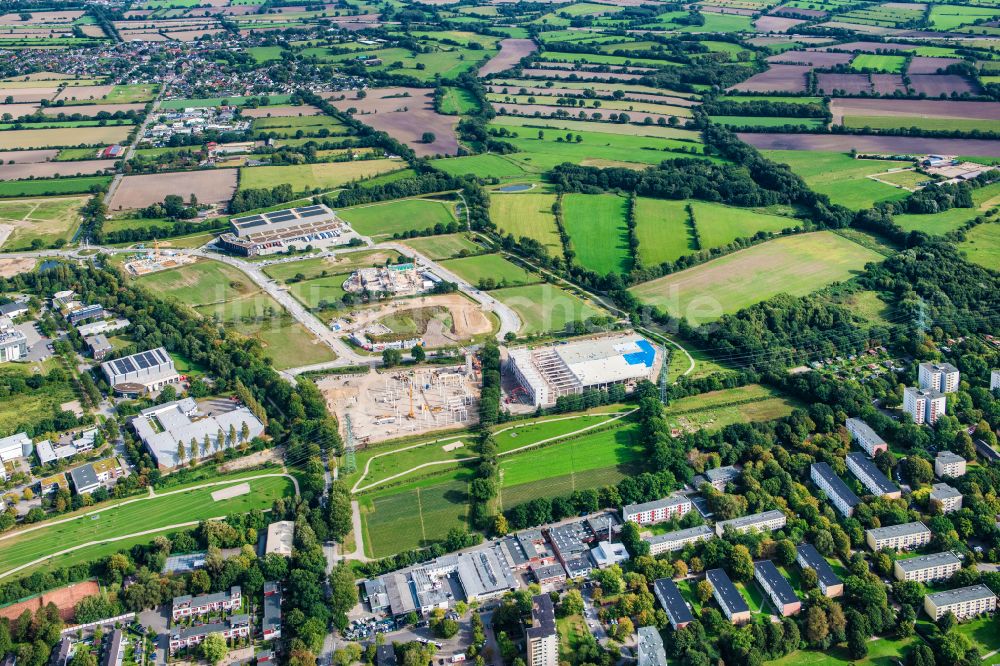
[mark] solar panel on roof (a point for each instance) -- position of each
(250, 225)
(126, 365)
(312, 213)
(305, 208)
(281, 218)
(249, 218)
(141, 361)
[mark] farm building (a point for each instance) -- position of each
(267, 233)
(549, 372)
(163, 428)
(143, 372)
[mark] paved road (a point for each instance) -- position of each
(157, 621)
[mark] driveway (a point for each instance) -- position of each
(157, 621)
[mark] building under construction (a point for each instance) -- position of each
(545, 373)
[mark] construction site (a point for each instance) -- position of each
(396, 279)
(157, 260)
(388, 404)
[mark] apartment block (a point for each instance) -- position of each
(836, 490)
(809, 558)
(927, 568)
(732, 603)
(943, 377)
(871, 477)
(272, 611)
(768, 520)
(777, 588)
(658, 511)
(237, 626)
(865, 437)
(898, 537)
(962, 603)
(924, 405)
(665, 543)
(950, 498)
(187, 605)
(949, 464)
(543, 639)
(673, 603)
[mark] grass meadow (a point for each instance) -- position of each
(394, 217)
(840, 176)
(145, 514)
(444, 247)
(720, 225)
(663, 230)
(489, 266)
(795, 265)
(598, 231)
(544, 307)
(324, 175)
(46, 220)
(527, 214)
(982, 245)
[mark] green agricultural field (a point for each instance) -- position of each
(39, 221)
(982, 245)
(483, 166)
(840, 176)
(795, 265)
(984, 199)
(720, 225)
(544, 307)
(878, 63)
(457, 101)
(592, 460)
(52, 186)
(598, 231)
(400, 519)
(445, 247)
(489, 267)
(139, 515)
(927, 124)
(322, 176)
(767, 121)
(398, 217)
(663, 230)
(527, 214)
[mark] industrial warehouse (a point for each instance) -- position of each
(546, 373)
(268, 233)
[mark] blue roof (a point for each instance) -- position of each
(646, 357)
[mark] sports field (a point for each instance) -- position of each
(544, 307)
(325, 175)
(840, 176)
(489, 267)
(598, 232)
(144, 514)
(596, 459)
(394, 217)
(720, 225)
(663, 230)
(400, 519)
(46, 220)
(527, 214)
(796, 265)
(444, 247)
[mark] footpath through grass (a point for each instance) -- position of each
(146, 514)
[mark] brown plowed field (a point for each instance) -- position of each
(281, 111)
(935, 85)
(872, 144)
(65, 598)
(778, 78)
(776, 23)
(921, 108)
(811, 58)
(887, 84)
(404, 118)
(924, 65)
(209, 185)
(531, 109)
(91, 109)
(29, 156)
(851, 84)
(52, 169)
(596, 76)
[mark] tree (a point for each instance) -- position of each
(817, 628)
(785, 552)
(947, 622)
(214, 648)
(428, 137)
(571, 604)
(500, 525)
(918, 470)
(418, 354)
(391, 358)
(809, 578)
(740, 563)
(181, 454)
(704, 591)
